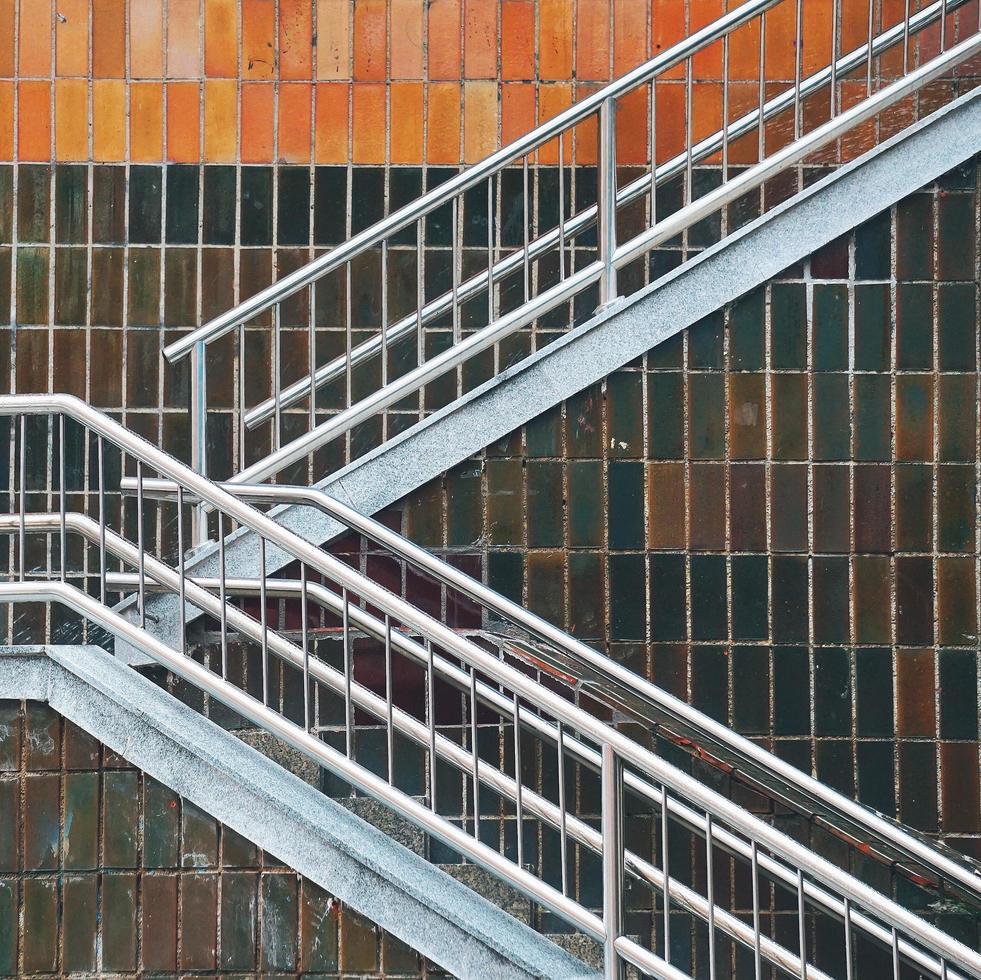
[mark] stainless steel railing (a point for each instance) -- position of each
(608, 681)
(475, 313)
(632, 812)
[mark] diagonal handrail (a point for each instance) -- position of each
(818, 884)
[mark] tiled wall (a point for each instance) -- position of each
(775, 514)
(103, 870)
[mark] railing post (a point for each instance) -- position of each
(612, 861)
(606, 200)
(199, 437)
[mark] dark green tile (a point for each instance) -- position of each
(831, 416)
(750, 575)
(667, 597)
(750, 690)
(746, 332)
(79, 915)
(874, 692)
(239, 919)
(586, 508)
(956, 327)
(40, 925)
(161, 822)
(788, 327)
(958, 671)
(914, 237)
(545, 504)
(121, 801)
(665, 424)
(706, 416)
(279, 903)
(789, 394)
(788, 587)
(626, 505)
(708, 597)
(873, 247)
(791, 691)
(832, 692)
(830, 327)
(831, 606)
(81, 842)
(914, 327)
(625, 414)
(873, 331)
(872, 417)
(956, 236)
(71, 204)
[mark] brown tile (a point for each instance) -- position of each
(914, 417)
(872, 599)
(960, 794)
(199, 922)
(747, 489)
(707, 507)
(159, 923)
(666, 505)
(747, 416)
(915, 689)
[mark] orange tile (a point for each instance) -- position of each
(585, 133)
(35, 38)
(708, 62)
(629, 35)
(220, 120)
(781, 28)
(518, 40)
(670, 121)
(146, 122)
(667, 29)
(6, 120)
(295, 39)
(71, 119)
(258, 39)
(6, 38)
(294, 122)
(108, 38)
(183, 122)
(183, 39)
(34, 120)
(633, 120)
(552, 99)
(479, 120)
(444, 39)
(257, 123)
(72, 37)
(443, 123)
(109, 119)
(744, 52)
(146, 38)
(517, 110)
(480, 39)
(407, 122)
(368, 123)
(221, 38)
(555, 39)
(593, 39)
(370, 40)
(330, 136)
(333, 39)
(406, 39)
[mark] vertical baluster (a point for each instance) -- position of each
(667, 876)
(755, 871)
(223, 595)
(802, 931)
(241, 396)
(868, 50)
(141, 557)
(835, 42)
(276, 378)
(490, 249)
(798, 56)
(199, 436)
(906, 37)
(561, 140)
(710, 894)
(849, 957)
(525, 219)
(563, 831)
(725, 108)
(384, 329)
(612, 860)
(431, 721)
(895, 954)
(305, 634)
(263, 621)
(761, 151)
(22, 492)
(348, 326)
(181, 582)
(475, 755)
(101, 463)
(606, 200)
(420, 300)
(689, 187)
(518, 805)
(62, 509)
(312, 355)
(943, 26)
(653, 150)
(389, 726)
(348, 671)
(455, 259)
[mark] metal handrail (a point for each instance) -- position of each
(583, 220)
(748, 757)
(620, 756)
(466, 179)
(573, 284)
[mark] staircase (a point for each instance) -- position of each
(459, 723)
